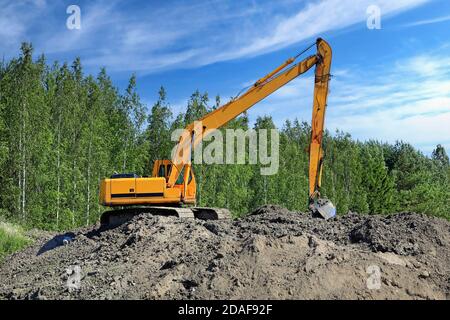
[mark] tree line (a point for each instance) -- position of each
(62, 131)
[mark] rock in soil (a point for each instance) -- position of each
(271, 253)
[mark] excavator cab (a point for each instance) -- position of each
(129, 189)
(185, 181)
(161, 168)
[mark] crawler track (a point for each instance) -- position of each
(117, 217)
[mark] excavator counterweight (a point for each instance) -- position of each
(171, 190)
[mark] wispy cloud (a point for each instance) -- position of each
(428, 21)
(14, 22)
(309, 22)
(146, 37)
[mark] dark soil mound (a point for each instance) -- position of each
(271, 253)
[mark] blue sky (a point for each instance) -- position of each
(388, 84)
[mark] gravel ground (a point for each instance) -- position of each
(270, 254)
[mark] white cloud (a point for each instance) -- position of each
(14, 16)
(428, 21)
(316, 18)
(149, 38)
(425, 65)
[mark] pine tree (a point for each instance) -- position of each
(197, 107)
(133, 153)
(440, 156)
(264, 187)
(293, 174)
(158, 133)
(379, 184)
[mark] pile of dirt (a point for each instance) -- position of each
(271, 253)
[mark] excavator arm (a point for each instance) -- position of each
(322, 77)
(196, 131)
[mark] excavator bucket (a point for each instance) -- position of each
(323, 208)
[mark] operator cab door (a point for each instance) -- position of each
(186, 183)
(162, 168)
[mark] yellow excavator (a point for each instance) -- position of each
(171, 190)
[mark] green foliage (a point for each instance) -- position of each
(440, 156)
(158, 132)
(377, 181)
(62, 131)
(12, 238)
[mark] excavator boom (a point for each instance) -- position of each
(193, 135)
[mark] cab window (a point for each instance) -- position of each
(180, 177)
(162, 171)
(190, 177)
(169, 167)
